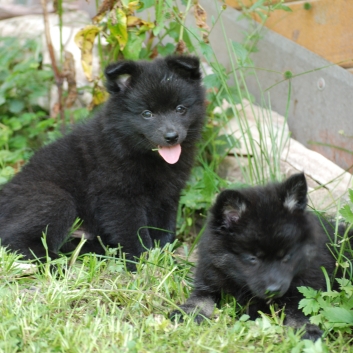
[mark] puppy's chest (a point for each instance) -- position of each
(157, 182)
(135, 180)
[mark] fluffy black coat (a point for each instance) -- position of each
(108, 171)
(260, 244)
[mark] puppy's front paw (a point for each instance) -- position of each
(312, 332)
(200, 307)
(178, 315)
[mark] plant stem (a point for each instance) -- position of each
(181, 34)
(57, 74)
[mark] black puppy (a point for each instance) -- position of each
(121, 172)
(260, 244)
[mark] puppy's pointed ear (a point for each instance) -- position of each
(295, 191)
(185, 66)
(119, 75)
(228, 209)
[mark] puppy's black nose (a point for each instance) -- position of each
(171, 137)
(273, 291)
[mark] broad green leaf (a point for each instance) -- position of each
(14, 124)
(262, 15)
(159, 15)
(133, 46)
(212, 81)
(240, 52)
(224, 143)
(308, 292)
(15, 105)
(316, 319)
(117, 25)
(165, 50)
(258, 4)
(156, 30)
(206, 50)
(18, 142)
(283, 7)
(345, 285)
(174, 31)
(338, 315)
(309, 306)
(314, 347)
(244, 318)
(146, 4)
(347, 213)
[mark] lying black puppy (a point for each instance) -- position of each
(259, 246)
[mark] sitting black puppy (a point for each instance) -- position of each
(121, 172)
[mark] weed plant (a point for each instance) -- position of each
(25, 122)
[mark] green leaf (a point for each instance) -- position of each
(314, 347)
(258, 4)
(206, 51)
(18, 142)
(118, 28)
(146, 4)
(244, 318)
(224, 143)
(347, 213)
(308, 292)
(15, 106)
(165, 50)
(240, 51)
(27, 118)
(133, 46)
(14, 124)
(309, 306)
(262, 15)
(283, 7)
(174, 31)
(345, 285)
(193, 199)
(316, 319)
(212, 81)
(338, 315)
(159, 15)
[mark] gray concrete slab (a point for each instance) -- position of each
(321, 101)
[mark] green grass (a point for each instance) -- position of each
(97, 306)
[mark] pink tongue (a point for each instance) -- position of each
(170, 154)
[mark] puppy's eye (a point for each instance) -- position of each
(180, 109)
(286, 258)
(252, 259)
(147, 114)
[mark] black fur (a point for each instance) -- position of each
(259, 246)
(105, 172)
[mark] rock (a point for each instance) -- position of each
(264, 136)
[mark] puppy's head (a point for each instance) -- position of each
(264, 236)
(160, 104)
